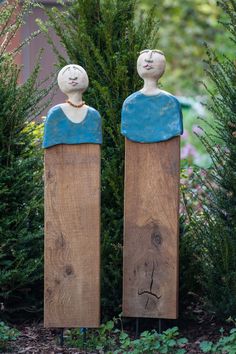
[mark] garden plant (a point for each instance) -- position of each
(21, 187)
(7, 335)
(213, 227)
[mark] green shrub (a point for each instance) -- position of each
(21, 225)
(104, 338)
(225, 345)
(191, 266)
(109, 340)
(105, 37)
(21, 190)
(214, 227)
(7, 334)
(151, 342)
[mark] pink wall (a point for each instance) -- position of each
(30, 52)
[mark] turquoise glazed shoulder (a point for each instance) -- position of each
(150, 119)
(59, 129)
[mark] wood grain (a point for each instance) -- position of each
(72, 236)
(151, 228)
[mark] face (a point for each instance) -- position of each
(72, 78)
(151, 64)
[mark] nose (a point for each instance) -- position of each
(149, 57)
(150, 54)
(73, 74)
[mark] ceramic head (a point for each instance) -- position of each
(151, 64)
(72, 78)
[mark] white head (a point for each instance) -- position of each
(72, 78)
(151, 64)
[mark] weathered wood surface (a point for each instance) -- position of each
(151, 229)
(72, 236)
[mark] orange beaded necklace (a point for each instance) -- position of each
(75, 105)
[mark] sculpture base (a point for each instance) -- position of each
(151, 227)
(72, 236)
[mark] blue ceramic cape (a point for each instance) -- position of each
(59, 129)
(149, 119)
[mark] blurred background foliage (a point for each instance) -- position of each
(184, 27)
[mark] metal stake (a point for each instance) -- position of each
(84, 330)
(62, 337)
(159, 326)
(137, 328)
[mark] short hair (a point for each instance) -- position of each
(152, 50)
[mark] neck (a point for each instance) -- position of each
(150, 87)
(75, 97)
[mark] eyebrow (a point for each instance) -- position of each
(74, 67)
(152, 50)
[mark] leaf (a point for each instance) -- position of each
(206, 346)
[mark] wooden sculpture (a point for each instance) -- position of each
(72, 139)
(152, 125)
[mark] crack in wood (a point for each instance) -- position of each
(150, 292)
(153, 270)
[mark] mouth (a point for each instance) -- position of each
(73, 83)
(148, 67)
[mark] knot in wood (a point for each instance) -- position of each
(69, 269)
(156, 239)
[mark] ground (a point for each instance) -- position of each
(35, 339)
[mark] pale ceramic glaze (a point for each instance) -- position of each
(66, 124)
(151, 115)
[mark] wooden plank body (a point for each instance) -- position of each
(72, 236)
(151, 229)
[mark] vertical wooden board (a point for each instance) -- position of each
(72, 236)
(151, 229)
